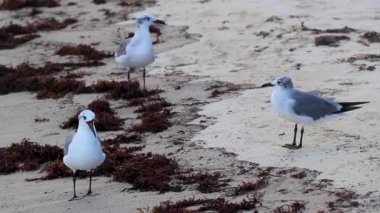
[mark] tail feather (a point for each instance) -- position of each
(349, 106)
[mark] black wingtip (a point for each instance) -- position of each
(349, 106)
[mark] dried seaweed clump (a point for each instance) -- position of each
(27, 156)
(372, 37)
(14, 35)
(152, 104)
(52, 24)
(134, 3)
(154, 115)
(88, 52)
(330, 40)
(144, 171)
(147, 172)
(25, 77)
(222, 88)
(293, 207)
(299, 175)
(152, 122)
(364, 57)
(19, 4)
(206, 182)
(55, 169)
(106, 119)
(123, 138)
(204, 205)
(99, 1)
(250, 186)
(56, 88)
(122, 89)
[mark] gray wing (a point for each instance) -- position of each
(122, 50)
(312, 105)
(67, 143)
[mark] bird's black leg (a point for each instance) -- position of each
(89, 188)
(293, 145)
(74, 179)
(302, 131)
(144, 78)
(129, 73)
(295, 135)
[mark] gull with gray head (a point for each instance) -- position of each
(303, 107)
(83, 151)
(138, 52)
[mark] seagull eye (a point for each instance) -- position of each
(279, 82)
(147, 18)
(84, 117)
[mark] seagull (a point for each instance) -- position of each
(83, 151)
(138, 52)
(303, 107)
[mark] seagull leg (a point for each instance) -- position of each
(144, 77)
(293, 145)
(295, 135)
(74, 179)
(128, 73)
(89, 188)
(302, 131)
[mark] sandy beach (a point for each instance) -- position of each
(212, 57)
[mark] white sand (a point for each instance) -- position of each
(345, 150)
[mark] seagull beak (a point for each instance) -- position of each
(92, 126)
(267, 85)
(159, 22)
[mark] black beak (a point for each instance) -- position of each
(267, 85)
(159, 22)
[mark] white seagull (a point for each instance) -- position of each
(303, 107)
(83, 151)
(138, 52)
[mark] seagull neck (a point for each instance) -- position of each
(281, 89)
(84, 128)
(141, 33)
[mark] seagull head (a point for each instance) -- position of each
(88, 117)
(281, 82)
(147, 20)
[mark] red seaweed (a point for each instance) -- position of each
(372, 37)
(220, 205)
(330, 40)
(88, 52)
(27, 156)
(19, 4)
(206, 182)
(246, 187)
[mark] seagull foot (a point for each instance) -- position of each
(89, 194)
(74, 198)
(291, 146)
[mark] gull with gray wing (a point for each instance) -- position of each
(303, 107)
(138, 52)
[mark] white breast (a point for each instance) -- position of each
(141, 54)
(84, 152)
(283, 104)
